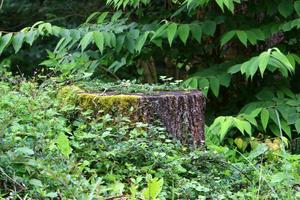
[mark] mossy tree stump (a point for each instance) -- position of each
(181, 112)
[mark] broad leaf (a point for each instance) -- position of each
(226, 37)
(86, 40)
(4, 41)
(99, 40)
(263, 61)
(18, 41)
(242, 37)
(63, 144)
(171, 32)
(196, 31)
(264, 116)
(183, 32)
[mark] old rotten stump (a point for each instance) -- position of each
(181, 112)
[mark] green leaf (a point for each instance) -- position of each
(183, 32)
(30, 37)
(102, 17)
(196, 31)
(252, 37)
(285, 8)
(25, 150)
(297, 125)
(283, 59)
(263, 61)
(154, 187)
(171, 32)
(224, 128)
(220, 4)
(226, 37)
(18, 41)
(242, 37)
(99, 40)
(209, 27)
(297, 7)
(63, 144)
(159, 31)
(86, 40)
(4, 41)
(264, 116)
(141, 41)
(214, 86)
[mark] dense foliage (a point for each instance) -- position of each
(242, 54)
(51, 149)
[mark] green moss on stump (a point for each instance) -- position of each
(69, 94)
(122, 103)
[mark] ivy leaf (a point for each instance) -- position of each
(183, 32)
(263, 60)
(226, 37)
(242, 37)
(63, 144)
(4, 41)
(285, 8)
(264, 116)
(297, 7)
(171, 32)
(86, 40)
(18, 41)
(196, 31)
(99, 40)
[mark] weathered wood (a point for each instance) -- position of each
(181, 112)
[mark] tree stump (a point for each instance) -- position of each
(180, 112)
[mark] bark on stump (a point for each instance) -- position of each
(181, 112)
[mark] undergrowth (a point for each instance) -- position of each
(54, 150)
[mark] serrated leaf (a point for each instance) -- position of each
(86, 40)
(196, 31)
(242, 37)
(63, 144)
(99, 40)
(171, 32)
(226, 37)
(4, 41)
(263, 60)
(183, 32)
(264, 117)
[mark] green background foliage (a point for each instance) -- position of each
(243, 55)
